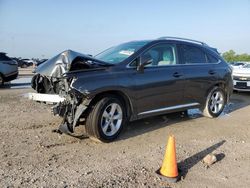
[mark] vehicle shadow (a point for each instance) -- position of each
(143, 126)
(153, 123)
(185, 165)
(16, 86)
(238, 101)
(19, 83)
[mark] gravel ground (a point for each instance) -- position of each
(32, 155)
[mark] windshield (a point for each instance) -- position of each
(121, 52)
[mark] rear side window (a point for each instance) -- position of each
(211, 59)
(3, 57)
(192, 54)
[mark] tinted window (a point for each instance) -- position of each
(211, 59)
(160, 55)
(3, 57)
(192, 55)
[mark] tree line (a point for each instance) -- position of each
(231, 56)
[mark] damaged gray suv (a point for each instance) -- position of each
(134, 80)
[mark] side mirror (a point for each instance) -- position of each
(140, 67)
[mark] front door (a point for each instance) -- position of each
(160, 85)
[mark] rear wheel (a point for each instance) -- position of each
(106, 119)
(215, 103)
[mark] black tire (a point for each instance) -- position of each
(95, 119)
(209, 109)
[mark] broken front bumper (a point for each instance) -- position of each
(48, 98)
(71, 109)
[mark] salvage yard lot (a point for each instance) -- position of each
(32, 155)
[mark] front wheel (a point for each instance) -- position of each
(106, 119)
(215, 103)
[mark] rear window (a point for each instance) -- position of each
(192, 54)
(3, 57)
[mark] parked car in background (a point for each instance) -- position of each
(135, 80)
(241, 78)
(20, 62)
(237, 64)
(28, 62)
(8, 68)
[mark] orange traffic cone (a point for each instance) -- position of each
(169, 165)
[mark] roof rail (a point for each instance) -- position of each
(183, 39)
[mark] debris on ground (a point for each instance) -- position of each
(209, 159)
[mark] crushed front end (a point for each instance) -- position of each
(56, 76)
(71, 109)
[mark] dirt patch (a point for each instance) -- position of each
(32, 155)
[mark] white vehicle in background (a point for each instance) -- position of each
(29, 62)
(241, 77)
(237, 64)
(8, 68)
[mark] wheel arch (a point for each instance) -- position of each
(225, 88)
(220, 85)
(117, 93)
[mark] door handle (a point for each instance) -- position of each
(212, 72)
(177, 75)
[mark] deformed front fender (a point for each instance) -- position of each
(92, 84)
(106, 83)
(71, 111)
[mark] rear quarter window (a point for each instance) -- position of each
(211, 59)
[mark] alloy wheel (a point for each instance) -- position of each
(111, 119)
(216, 102)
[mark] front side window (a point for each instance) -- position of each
(121, 52)
(160, 55)
(192, 55)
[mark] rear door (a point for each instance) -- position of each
(199, 71)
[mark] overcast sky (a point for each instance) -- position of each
(43, 28)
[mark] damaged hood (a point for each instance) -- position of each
(61, 63)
